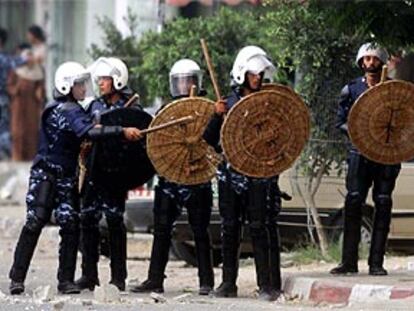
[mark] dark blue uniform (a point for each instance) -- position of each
(170, 199)
(99, 199)
(255, 199)
(362, 174)
(52, 187)
(105, 201)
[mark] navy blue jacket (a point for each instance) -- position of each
(99, 105)
(64, 126)
(349, 95)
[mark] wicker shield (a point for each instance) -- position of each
(381, 122)
(265, 132)
(121, 163)
(278, 87)
(179, 153)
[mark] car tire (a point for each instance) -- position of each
(186, 252)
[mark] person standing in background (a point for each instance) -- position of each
(7, 63)
(27, 91)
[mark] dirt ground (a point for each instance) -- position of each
(181, 285)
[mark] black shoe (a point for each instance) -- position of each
(276, 293)
(67, 288)
(226, 289)
(85, 283)
(344, 269)
(16, 288)
(264, 295)
(148, 286)
(119, 284)
(268, 294)
(205, 290)
(377, 271)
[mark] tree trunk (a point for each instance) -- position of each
(308, 191)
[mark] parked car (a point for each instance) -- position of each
(293, 218)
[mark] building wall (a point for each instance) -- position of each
(71, 25)
(16, 17)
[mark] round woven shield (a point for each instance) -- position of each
(381, 122)
(278, 87)
(179, 153)
(265, 132)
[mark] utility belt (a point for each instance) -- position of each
(53, 169)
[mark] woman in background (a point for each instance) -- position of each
(27, 91)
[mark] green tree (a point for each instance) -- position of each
(303, 37)
(125, 48)
(320, 39)
(390, 23)
(151, 58)
(225, 33)
(322, 59)
(297, 38)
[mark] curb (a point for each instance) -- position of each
(339, 292)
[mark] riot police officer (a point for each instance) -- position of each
(171, 197)
(363, 173)
(242, 197)
(52, 183)
(111, 75)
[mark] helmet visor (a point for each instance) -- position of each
(103, 68)
(85, 81)
(180, 84)
(258, 64)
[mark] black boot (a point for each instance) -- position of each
(259, 218)
(165, 213)
(199, 212)
(16, 288)
(205, 265)
(149, 285)
(68, 288)
(350, 243)
(230, 249)
(344, 269)
(159, 258)
(68, 250)
(205, 290)
(275, 273)
(227, 289)
(379, 240)
(377, 271)
(90, 256)
(261, 252)
(22, 256)
(118, 251)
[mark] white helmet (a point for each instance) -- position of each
(371, 49)
(110, 67)
(70, 73)
(251, 59)
(183, 74)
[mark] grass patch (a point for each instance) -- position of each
(310, 253)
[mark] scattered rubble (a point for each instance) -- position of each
(43, 294)
(158, 298)
(106, 293)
